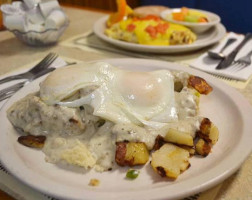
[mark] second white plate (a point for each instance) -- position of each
(205, 39)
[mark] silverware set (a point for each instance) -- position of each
(40, 69)
(229, 60)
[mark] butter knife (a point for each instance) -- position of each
(227, 61)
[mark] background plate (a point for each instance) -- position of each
(224, 106)
(205, 39)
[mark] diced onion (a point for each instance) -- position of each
(78, 102)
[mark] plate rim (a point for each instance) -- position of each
(187, 192)
(151, 48)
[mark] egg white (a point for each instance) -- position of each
(142, 98)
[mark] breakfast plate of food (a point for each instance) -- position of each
(121, 128)
(129, 30)
(205, 39)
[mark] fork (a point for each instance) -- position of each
(43, 64)
(9, 91)
(242, 62)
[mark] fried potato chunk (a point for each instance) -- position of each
(203, 148)
(131, 153)
(179, 137)
(205, 126)
(170, 161)
(199, 84)
(214, 134)
(159, 142)
(32, 141)
(208, 131)
(191, 150)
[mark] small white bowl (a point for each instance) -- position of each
(213, 19)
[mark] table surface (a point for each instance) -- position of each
(14, 54)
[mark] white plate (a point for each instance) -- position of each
(224, 106)
(205, 39)
(196, 27)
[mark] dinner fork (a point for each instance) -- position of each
(43, 64)
(243, 62)
(246, 60)
(9, 91)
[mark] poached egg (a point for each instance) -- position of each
(117, 95)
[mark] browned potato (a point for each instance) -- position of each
(159, 142)
(203, 147)
(214, 134)
(191, 150)
(208, 131)
(32, 141)
(179, 137)
(170, 161)
(205, 126)
(131, 153)
(199, 84)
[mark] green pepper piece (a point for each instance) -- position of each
(132, 174)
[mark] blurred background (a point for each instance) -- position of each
(236, 15)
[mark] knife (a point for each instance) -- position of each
(227, 61)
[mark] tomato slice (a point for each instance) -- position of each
(131, 27)
(154, 30)
(151, 30)
(161, 28)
